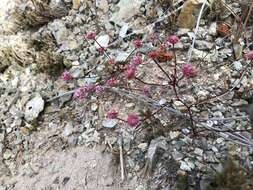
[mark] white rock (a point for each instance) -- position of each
(123, 31)
(202, 94)
(162, 101)
(94, 107)
(34, 107)
(7, 154)
(237, 65)
(121, 57)
(110, 123)
(198, 151)
(127, 9)
(68, 130)
(179, 106)
(174, 134)
(143, 146)
(220, 140)
(103, 41)
(186, 166)
(2, 187)
(213, 29)
(203, 45)
(103, 5)
(214, 149)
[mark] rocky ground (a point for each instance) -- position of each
(50, 141)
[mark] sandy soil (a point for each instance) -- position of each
(80, 168)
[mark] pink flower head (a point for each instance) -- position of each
(111, 61)
(90, 36)
(112, 114)
(153, 54)
(173, 39)
(66, 76)
(112, 82)
(137, 43)
(250, 55)
(137, 59)
(89, 88)
(189, 70)
(130, 72)
(101, 50)
(99, 89)
(80, 93)
(146, 90)
(133, 120)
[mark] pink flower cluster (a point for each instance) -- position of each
(146, 90)
(66, 76)
(250, 55)
(130, 72)
(137, 44)
(189, 70)
(153, 54)
(90, 36)
(133, 120)
(173, 39)
(137, 59)
(83, 91)
(99, 89)
(112, 82)
(112, 114)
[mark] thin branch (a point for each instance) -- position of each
(196, 31)
(160, 67)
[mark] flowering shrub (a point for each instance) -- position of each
(162, 57)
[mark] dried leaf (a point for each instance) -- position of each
(76, 4)
(187, 16)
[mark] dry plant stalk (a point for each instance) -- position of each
(33, 13)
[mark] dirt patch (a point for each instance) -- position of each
(78, 168)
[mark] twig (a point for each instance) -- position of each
(248, 15)
(121, 158)
(61, 95)
(196, 31)
(230, 10)
(222, 119)
(160, 67)
(230, 136)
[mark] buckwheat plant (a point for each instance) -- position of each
(149, 76)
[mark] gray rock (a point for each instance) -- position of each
(156, 145)
(186, 165)
(203, 45)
